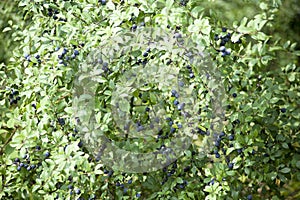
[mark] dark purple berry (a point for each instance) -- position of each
(47, 154)
(283, 110)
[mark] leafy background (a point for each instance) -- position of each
(42, 155)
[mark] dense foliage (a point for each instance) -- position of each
(253, 46)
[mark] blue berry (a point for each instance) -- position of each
(230, 165)
(65, 50)
(266, 155)
(228, 51)
(234, 95)
(176, 102)
(138, 195)
(61, 121)
(134, 26)
(217, 155)
(179, 125)
(283, 110)
(222, 48)
(129, 181)
(222, 134)
(140, 128)
(118, 184)
(19, 168)
(173, 92)
(231, 137)
(224, 29)
(240, 151)
(216, 37)
(177, 35)
(172, 130)
(80, 144)
(222, 43)
(77, 191)
(181, 106)
(145, 54)
(110, 173)
(76, 52)
(28, 58)
(47, 154)
(103, 2)
(249, 197)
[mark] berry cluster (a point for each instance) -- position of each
(191, 73)
(183, 2)
(13, 97)
(223, 40)
(64, 57)
(35, 61)
(103, 2)
(26, 163)
(134, 26)
(125, 186)
(53, 13)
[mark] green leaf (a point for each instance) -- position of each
(230, 173)
(285, 170)
(196, 11)
(124, 106)
(298, 164)
(179, 180)
(292, 77)
(6, 29)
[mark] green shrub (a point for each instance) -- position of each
(44, 152)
